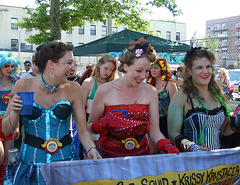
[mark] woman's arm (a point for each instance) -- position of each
(172, 88)
(11, 117)
(84, 135)
(154, 130)
(175, 115)
(98, 105)
(162, 144)
(86, 86)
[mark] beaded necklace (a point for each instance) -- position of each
(204, 130)
(5, 85)
(52, 89)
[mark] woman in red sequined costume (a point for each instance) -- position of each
(125, 111)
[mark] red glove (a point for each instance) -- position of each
(166, 146)
(99, 126)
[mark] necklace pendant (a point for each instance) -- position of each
(52, 90)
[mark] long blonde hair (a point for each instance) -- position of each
(103, 60)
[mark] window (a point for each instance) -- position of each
(224, 42)
(92, 30)
(216, 26)
(14, 44)
(114, 30)
(178, 36)
(81, 30)
(28, 47)
(69, 32)
(168, 35)
(224, 49)
(104, 30)
(30, 29)
(224, 25)
(13, 22)
(158, 33)
(209, 27)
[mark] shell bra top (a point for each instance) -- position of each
(47, 123)
(163, 101)
(112, 146)
(93, 92)
(5, 95)
(194, 122)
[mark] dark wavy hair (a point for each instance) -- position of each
(188, 87)
(51, 51)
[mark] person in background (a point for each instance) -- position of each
(86, 74)
(72, 75)
(179, 79)
(224, 81)
(55, 101)
(10, 69)
(27, 65)
(198, 112)
(174, 75)
(161, 79)
(33, 71)
(126, 109)
(104, 71)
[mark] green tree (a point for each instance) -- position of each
(53, 16)
(210, 42)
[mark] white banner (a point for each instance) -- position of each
(208, 167)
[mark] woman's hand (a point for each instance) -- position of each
(16, 133)
(93, 154)
(16, 103)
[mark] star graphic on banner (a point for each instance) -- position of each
(174, 182)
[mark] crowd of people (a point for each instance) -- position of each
(144, 111)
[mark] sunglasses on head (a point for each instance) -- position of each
(27, 64)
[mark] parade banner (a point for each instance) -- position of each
(190, 168)
(171, 58)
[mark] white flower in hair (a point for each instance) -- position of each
(138, 52)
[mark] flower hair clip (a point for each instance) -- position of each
(141, 46)
(139, 52)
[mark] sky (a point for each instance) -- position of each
(195, 12)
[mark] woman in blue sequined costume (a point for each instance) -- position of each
(10, 69)
(161, 78)
(198, 112)
(47, 137)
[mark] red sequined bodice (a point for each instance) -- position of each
(131, 128)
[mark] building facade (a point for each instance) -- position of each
(228, 32)
(13, 38)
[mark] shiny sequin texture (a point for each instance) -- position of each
(44, 123)
(132, 124)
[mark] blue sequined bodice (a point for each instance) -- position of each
(48, 123)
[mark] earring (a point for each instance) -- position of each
(52, 74)
(189, 76)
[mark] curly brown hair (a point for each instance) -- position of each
(188, 87)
